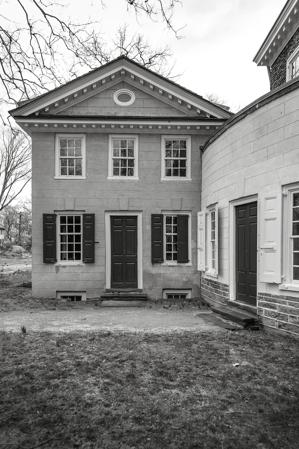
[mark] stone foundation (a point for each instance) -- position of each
(214, 292)
(279, 312)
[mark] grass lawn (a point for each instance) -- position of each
(237, 390)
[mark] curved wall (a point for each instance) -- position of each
(259, 154)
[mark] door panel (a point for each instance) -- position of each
(246, 252)
(124, 252)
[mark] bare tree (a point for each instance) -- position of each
(214, 98)
(14, 166)
(33, 50)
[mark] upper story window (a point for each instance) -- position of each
(70, 156)
(176, 158)
(293, 65)
(123, 157)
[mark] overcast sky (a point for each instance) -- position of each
(220, 39)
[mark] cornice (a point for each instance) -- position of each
(280, 33)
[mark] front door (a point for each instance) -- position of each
(124, 251)
(246, 252)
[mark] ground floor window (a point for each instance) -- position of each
(171, 237)
(73, 296)
(70, 238)
(294, 237)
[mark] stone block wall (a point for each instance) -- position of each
(278, 69)
(279, 312)
(214, 292)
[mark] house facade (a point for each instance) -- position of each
(249, 225)
(116, 180)
(140, 185)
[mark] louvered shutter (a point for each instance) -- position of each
(270, 242)
(157, 238)
(183, 239)
(201, 241)
(49, 238)
(88, 238)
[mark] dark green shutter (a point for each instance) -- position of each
(49, 238)
(157, 238)
(88, 238)
(183, 240)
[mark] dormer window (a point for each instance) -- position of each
(293, 65)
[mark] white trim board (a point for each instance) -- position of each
(108, 245)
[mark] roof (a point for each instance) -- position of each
(279, 35)
(280, 91)
(88, 80)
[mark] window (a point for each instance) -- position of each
(171, 238)
(124, 97)
(176, 157)
(70, 238)
(70, 156)
(293, 65)
(176, 295)
(73, 296)
(207, 240)
(123, 160)
(295, 237)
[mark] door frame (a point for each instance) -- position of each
(232, 259)
(108, 245)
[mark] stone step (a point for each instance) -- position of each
(246, 319)
(124, 295)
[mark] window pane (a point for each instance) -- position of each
(78, 170)
(296, 259)
(296, 244)
(63, 143)
(295, 228)
(296, 199)
(130, 171)
(130, 152)
(296, 273)
(296, 213)
(116, 143)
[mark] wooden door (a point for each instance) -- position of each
(124, 252)
(246, 252)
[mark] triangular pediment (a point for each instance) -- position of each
(92, 95)
(105, 103)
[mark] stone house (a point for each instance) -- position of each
(141, 185)
(116, 179)
(250, 192)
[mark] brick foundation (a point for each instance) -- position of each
(214, 292)
(279, 312)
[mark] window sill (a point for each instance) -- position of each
(211, 274)
(177, 178)
(175, 264)
(123, 178)
(69, 177)
(289, 287)
(69, 264)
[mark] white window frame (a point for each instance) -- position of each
(174, 263)
(288, 282)
(58, 240)
(124, 91)
(172, 291)
(110, 158)
(57, 155)
(210, 269)
(290, 60)
(188, 158)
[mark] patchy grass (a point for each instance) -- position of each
(123, 391)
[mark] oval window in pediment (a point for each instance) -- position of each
(124, 97)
